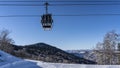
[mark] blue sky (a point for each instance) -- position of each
(69, 32)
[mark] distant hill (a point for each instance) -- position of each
(47, 53)
(87, 54)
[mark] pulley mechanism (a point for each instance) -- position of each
(46, 19)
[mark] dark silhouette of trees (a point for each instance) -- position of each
(6, 41)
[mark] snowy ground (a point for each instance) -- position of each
(61, 65)
(8, 61)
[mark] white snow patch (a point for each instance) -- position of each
(9, 61)
(63, 65)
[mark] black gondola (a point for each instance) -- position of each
(47, 21)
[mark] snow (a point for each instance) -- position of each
(63, 65)
(9, 61)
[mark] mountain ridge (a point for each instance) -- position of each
(47, 53)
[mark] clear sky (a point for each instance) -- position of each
(69, 32)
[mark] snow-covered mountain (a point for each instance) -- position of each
(9, 61)
(87, 54)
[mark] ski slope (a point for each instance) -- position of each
(9, 61)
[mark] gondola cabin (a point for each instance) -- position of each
(47, 21)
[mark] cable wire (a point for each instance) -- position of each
(20, 15)
(21, 5)
(89, 15)
(54, 4)
(81, 4)
(60, 1)
(61, 15)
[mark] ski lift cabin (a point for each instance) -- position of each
(47, 21)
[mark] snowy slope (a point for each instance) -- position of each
(61, 65)
(9, 61)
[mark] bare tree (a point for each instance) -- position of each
(105, 52)
(6, 41)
